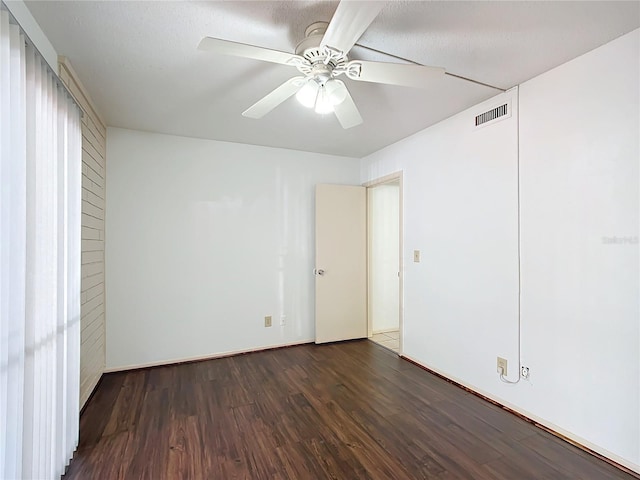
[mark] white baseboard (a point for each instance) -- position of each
(385, 331)
(551, 426)
(203, 357)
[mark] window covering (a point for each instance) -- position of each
(40, 210)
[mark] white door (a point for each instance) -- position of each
(341, 263)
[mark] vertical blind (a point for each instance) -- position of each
(40, 208)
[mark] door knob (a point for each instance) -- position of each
(320, 272)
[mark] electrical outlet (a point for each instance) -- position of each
(416, 256)
(267, 321)
(524, 371)
(502, 366)
(283, 320)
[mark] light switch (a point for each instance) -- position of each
(416, 256)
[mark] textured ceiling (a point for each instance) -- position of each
(140, 63)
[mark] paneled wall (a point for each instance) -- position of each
(94, 134)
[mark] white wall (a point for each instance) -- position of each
(204, 239)
(384, 248)
(579, 161)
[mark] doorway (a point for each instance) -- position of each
(384, 238)
(360, 288)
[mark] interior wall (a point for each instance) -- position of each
(579, 245)
(206, 238)
(92, 298)
(384, 261)
(580, 166)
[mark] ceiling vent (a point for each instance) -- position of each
(501, 112)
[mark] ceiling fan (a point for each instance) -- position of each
(322, 57)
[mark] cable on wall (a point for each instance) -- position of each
(502, 377)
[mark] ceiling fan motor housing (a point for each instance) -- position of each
(322, 60)
(310, 48)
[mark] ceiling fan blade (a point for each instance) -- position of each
(407, 75)
(349, 22)
(275, 98)
(227, 47)
(347, 112)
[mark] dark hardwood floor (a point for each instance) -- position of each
(342, 411)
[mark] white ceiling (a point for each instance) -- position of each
(139, 62)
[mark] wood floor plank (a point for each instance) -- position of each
(555, 451)
(185, 459)
(488, 416)
(451, 456)
(418, 462)
(350, 410)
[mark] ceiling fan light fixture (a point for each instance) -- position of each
(322, 96)
(323, 101)
(336, 90)
(308, 93)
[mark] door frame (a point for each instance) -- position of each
(391, 178)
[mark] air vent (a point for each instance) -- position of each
(491, 115)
